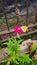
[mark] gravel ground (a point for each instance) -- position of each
(3, 53)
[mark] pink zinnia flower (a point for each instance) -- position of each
(18, 29)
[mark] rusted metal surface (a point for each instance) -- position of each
(11, 30)
(17, 11)
(3, 8)
(36, 13)
(27, 12)
(4, 34)
(24, 34)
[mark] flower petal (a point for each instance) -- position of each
(18, 29)
(24, 28)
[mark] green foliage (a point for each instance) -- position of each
(2, 63)
(13, 50)
(34, 63)
(15, 57)
(18, 36)
(25, 59)
(2, 19)
(13, 45)
(34, 47)
(12, 23)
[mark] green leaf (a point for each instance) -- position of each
(8, 63)
(14, 41)
(34, 62)
(20, 41)
(18, 36)
(34, 47)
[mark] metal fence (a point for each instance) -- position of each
(15, 13)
